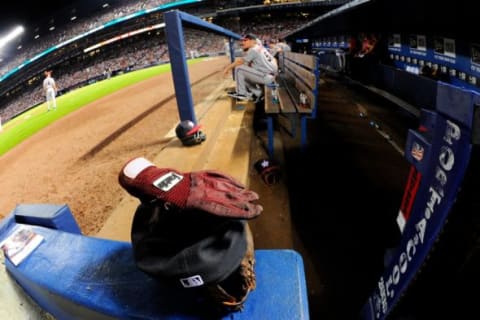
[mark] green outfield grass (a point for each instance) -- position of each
(25, 125)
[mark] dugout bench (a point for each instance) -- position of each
(73, 276)
(299, 73)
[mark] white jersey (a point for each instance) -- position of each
(260, 59)
(48, 83)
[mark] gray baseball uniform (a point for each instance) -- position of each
(259, 67)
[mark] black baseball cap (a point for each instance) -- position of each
(249, 36)
(187, 249)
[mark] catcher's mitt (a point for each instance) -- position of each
(231, 293)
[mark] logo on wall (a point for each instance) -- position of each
(418, 44)
(438, 46)
(421, 42)
(475, 62)
(449, 47)
(394, 42)
(417, 151)
(444, 46)
(413, 41)
(475, 53)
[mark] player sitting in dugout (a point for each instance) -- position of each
(256, 68)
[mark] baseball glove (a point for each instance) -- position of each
(190, 229)
(231, 293)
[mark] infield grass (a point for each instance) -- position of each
(30, 122)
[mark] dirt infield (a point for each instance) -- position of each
(76, 160)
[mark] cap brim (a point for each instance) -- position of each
(247, 37)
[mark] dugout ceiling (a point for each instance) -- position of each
(456, 19)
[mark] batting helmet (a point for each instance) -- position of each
(189, 133)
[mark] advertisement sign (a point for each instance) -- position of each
(448, 156)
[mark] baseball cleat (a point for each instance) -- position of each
(239, 96)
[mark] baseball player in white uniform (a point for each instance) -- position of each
(255, 69)
(50, 88)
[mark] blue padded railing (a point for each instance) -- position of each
(73, 276)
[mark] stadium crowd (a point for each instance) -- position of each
(130, 54)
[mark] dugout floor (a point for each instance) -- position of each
(344, 194)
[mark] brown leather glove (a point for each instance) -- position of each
(232, 293)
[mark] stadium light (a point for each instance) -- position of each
(12, 35)
(124, 36)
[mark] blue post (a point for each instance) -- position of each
(176, 52)
(232, 49)
(303, 134)
(270, 136)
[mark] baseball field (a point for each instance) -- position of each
(73, 155)
(33, 120)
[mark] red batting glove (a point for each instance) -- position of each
(207, 190)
